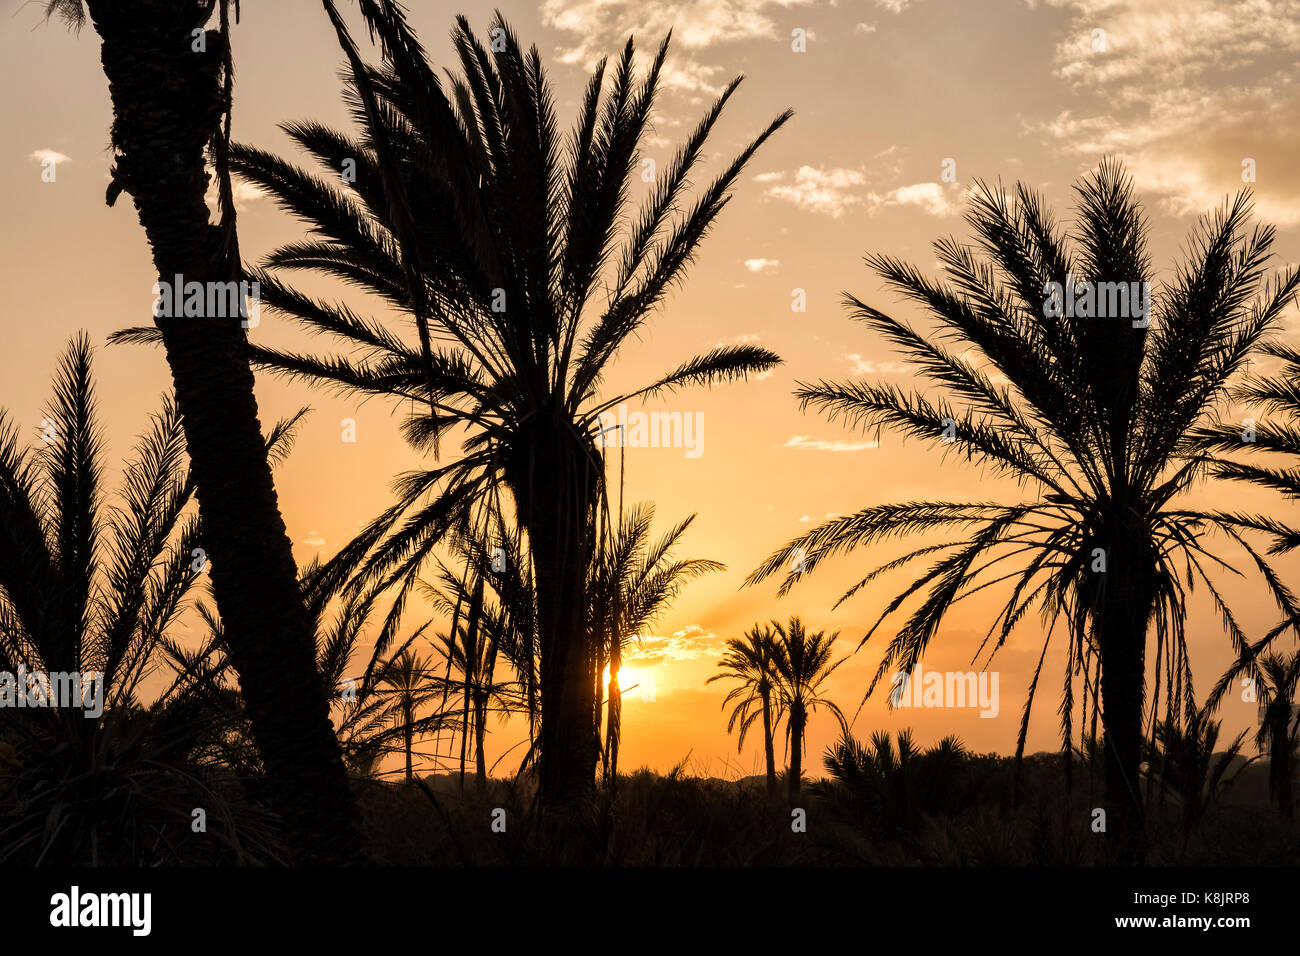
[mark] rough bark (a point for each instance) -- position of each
(167, 102)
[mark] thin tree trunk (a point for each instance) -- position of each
(614, 726)
(1280, 765)
(409, 736)
(796, 752)
(767, 742)
(167, 103)
(480, 732)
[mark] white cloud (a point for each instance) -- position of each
(43, 156)
(829, 192)
(313, 540)
(762, 265)
(863, 366)
(936, 199)
(864, 28)
(894, 6)
(598, 27)
(1183, 91)
(687, 644)
(818, 444)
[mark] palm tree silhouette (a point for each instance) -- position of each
(406, 679)
(171, 114)
(633, 580)
(97, 585)
(1095, 413)
(469, 213)
(802, 662)
(1183, 759)
(1279, 731)
(750, 660)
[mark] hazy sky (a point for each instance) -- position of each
(887, 94)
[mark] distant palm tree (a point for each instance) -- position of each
(633, 580)
(171, 116)
(1094, 413)
(802, 663)
(97, 586)
(1185, 761)
(407, 679)
(751, 661)
(890, 788)
(1275, 678)
(460, 205)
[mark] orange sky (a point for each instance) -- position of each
(887, 90)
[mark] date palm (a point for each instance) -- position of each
(171, 100)
(750, 660)
(633, 580)
(98, 585)
(1276, 436)
(1187, 761)
(1094, 416)
(520, 265)
(802, 662)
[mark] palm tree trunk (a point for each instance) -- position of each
(796, 751)
(614, 724)
(480, 733)
(1125, 604)
(464, 735)
(1279, 769)
(167, 104)
(554, 484)
(409, 737)
(767, 742)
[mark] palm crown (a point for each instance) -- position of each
(1096, 413)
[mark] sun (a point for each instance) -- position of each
(633, 680)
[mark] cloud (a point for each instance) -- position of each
(313, 540)
(863, 366)
(687, 644)
(864, 28)
(762, 265)
(894, 6)
(599, 26)
(936, 199)
(817, 444)
(43, 156)
(1185, 91)
(828, 192)
(242, 193)
(833, 192)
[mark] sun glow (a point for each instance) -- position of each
(632, 681)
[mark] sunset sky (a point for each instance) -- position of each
(887, 95)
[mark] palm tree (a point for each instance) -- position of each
(1093, 413)
(802, 663)
(890, 787)
(171, 113)
(633, 580)
(407, 676)
(96, 587)
(1276, 675)
(751, 661)
(469, 213)
(1184, 761)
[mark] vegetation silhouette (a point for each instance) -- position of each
(1096, 415)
